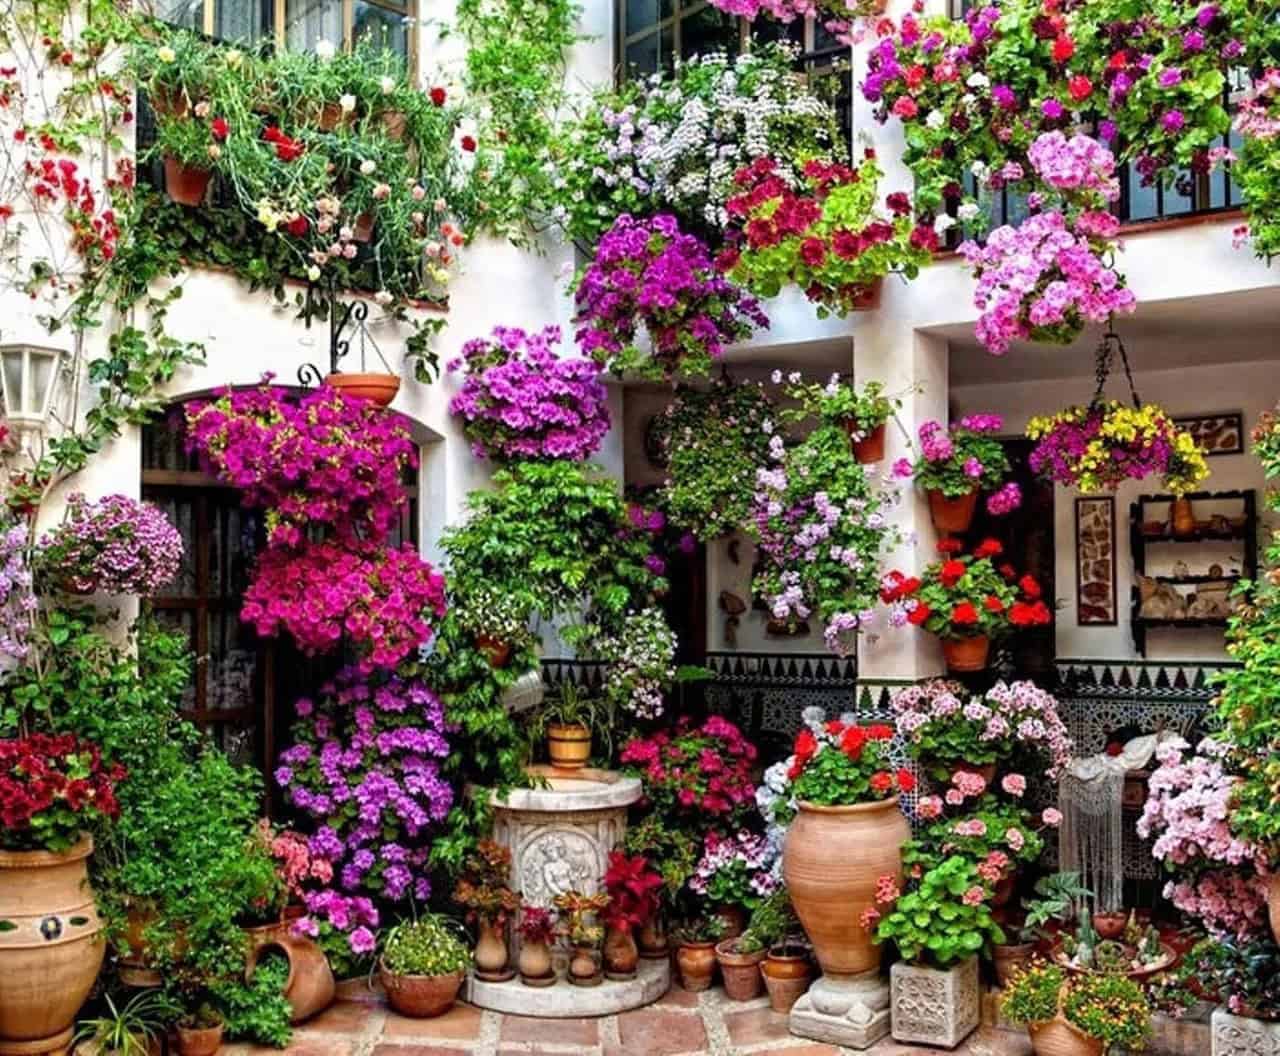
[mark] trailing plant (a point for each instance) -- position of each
(639, 662)
(821, 532)
(430, 945)
(842, 18)
(495, 614)
(257, 1010)
(712, 442)
(1258, 121)
(839, 403)
(519, 400)
(943, 921)
(651, 274)
(832, 239)
(958, 460)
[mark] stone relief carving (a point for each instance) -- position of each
(935, 1007)
(557, 860)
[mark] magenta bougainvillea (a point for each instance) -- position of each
(647, 272)
(365, 766)
(383, 601)
(323, 458)
(520, 400)
(116, 545)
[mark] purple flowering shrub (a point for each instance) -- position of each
(365, 766)
(647, 273)
(520, 400)
(115, 545)
(323, 458)
(820, 533)
(383, 601)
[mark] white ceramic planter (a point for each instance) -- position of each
(1242, 1036)
(933, 1007)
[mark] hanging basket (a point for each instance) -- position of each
(870, 449)
(379, 389)
(185, 185)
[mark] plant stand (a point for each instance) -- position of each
(1243, 1036)
(932, 1006)
(849, 1010)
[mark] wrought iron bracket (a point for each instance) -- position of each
(341, 317)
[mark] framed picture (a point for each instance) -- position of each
(1217, 434)
(1096, 604)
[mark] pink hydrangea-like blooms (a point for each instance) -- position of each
(522, 401)
(1077, 163)
(115, 545)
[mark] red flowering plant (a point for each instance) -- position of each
(695, 775)
(52, 788)
(633, 887)
(966, 595)
(839, 763)
(537, 925)
(832, 240)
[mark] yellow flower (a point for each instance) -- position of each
(166, 54)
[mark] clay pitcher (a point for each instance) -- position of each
(491, 950)
(621, 955)
(309, 988)
(831, 861)
(50, 956)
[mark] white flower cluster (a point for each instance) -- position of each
(640, 662)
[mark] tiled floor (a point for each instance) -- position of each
(361, 1025)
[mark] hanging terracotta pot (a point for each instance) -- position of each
(621, 955)
(1184, 518)
(740, 971)
(491, 954)
(168, 102)
(1057, 1037)
(964, 655)
(870, 449)
(787, 972)
(535, 964)
(51, 950)
(697, 963)
(868, 297)
(568, 746)
(831, 861)
(496, 652)
(653, 939)
(199, 1041)
(1273, 905)
(952, 516)
(394, 124)
(309, 988)
(184, 184)
(332, 116)
(378, 389)
(420, 996)
(362, 229)
(1011, 958)
(584, 967)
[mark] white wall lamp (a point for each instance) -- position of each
(28, 382)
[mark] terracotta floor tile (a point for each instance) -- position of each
(307, 1047)
(585, 1032)
(342, 1017)
(418, 1050)
(756, 1025)
(677, 998)
(460, 1023)
(660, 1032)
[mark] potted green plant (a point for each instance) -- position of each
(580, 915)
(175, 67)
(498, 619)
(423, 964)
(863, 413)
(1243, 975)
(568, 719)
(200, 1030)
(696, 940)
(1080, 1016)
(955, 465)
(537, 930)
(135, 1028)
(940, 927)
(189, 151)
(1056, 897)
(786, 966)
(483, 891)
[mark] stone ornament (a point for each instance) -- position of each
(1243, 1036)
(932, 1006)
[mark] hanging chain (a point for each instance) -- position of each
(1104, 360)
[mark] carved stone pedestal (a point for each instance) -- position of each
(850, 1010)
(935, 1007)
(1242, 1036)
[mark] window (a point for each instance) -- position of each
(299, 24)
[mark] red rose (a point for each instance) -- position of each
(881, 781)
(1063, 48)
(1080, 88)
(1030, 587)
(919, 614)
(468, 144)
(950, 546)
(219, 128)
(438, 96)
(989, 548)
(964, 614)
(906, 781)
(950, 573)
(993, 604)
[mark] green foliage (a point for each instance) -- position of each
(673, 852)
(945, 920)
(699, 929)
(1032, 994)
(957, 836)
(431, 945)
(1057, 895)
(839, 776)
(131, 1029)
(1109, 1007)
(772, 922)
(257, 1010)
(1243, 973)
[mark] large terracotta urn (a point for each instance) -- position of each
(50, 948)
(310, 987)
(831, 862)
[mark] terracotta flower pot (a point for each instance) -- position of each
(831, 861)
(1011, 958)
(135, 965)
(584, 969)
(653, 939)
(199, 1041)
(309, 988)
(185, 185)
(740, 971)
(362, 230)
(568, 746)
(734, 919)
(868, 298)
(1110, 925)
(496, 652)
(1057, 1037)
(420, 996)
(51, 953)
(378, 389)
(952, 516)
(394, 124)
(332, 116)
(787, 973)
(1273, 905)
(697, 963)
(491, 953)
(870, 448)
(963, 655)
(621, 955)
(987, 771)
(1184, 518)
(535, 965)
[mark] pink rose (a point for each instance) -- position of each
(1051, 817)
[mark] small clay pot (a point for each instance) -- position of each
(185, 185)
(420, 996)
(1009, 959)
(1057, 1037)
(1110, 925)
(584, 970)
(378, 389)
(491, 953)
(362, 229)
(740, 971)
(787, 972)
(621, 955)
(952, 516)
(495, 651)
(199, 1041)
(535, 965)
(697, 963)
(653, 939)
(870, 449)
(569, 747)
(1184, 519)
(394, 124)
(331, 116)
(966, 655)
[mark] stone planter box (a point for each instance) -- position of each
(933, 1007)
(1242, 1036)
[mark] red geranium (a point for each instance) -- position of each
(1029, 586)
(51, 789)
(852, 741)
(964, 614)
(989, 548)
(881, 781)
(951, 572)
(993, 604)
(1063, 48)
(919, 614)
(950, 546)
(906, 781)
